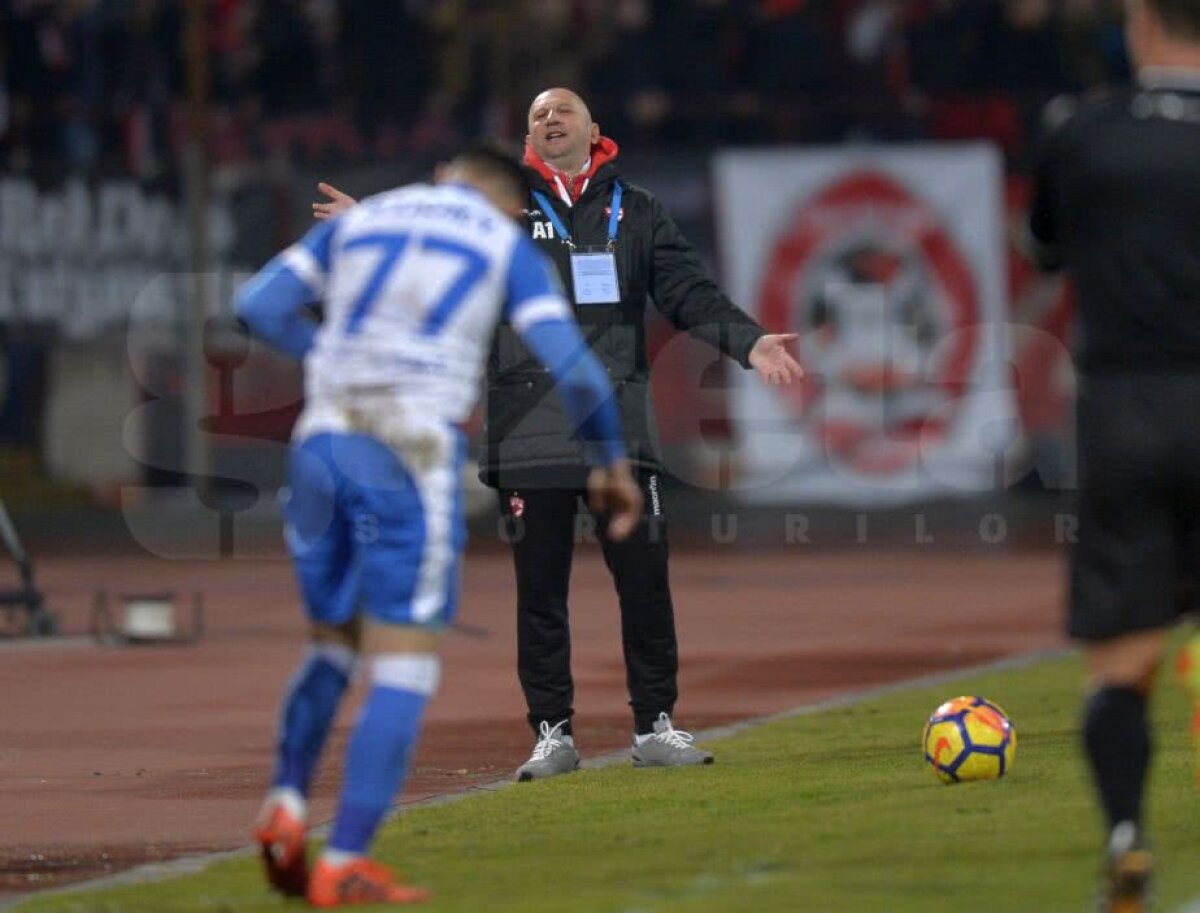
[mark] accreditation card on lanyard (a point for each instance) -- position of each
(593, 269)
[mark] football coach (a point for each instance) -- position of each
(615, 247)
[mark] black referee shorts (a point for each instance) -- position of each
(1134, 565)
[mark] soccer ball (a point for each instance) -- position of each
(969, 738)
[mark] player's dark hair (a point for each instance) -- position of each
(496, 161)
(1181, 17)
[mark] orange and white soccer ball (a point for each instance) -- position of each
(969, 738)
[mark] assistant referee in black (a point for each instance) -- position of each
(1117, 202)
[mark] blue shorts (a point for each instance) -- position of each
(374, 532)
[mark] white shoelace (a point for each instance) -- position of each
(548, 742)
(676, 738)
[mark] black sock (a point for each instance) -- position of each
(536, 723)
(1117, 738)
(643, 722)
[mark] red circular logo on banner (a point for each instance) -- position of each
(887, 308)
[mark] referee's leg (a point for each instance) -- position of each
(540, 527)
(1124, 571)
(640, 573)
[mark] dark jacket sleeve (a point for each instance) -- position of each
(690, 299)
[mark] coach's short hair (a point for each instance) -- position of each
(495, 161)
(1181, 17)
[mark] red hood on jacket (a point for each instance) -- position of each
(603, 150)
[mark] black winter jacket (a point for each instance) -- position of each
(528, 440)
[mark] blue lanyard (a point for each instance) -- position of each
(614, 216)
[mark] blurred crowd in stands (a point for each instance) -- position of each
(102, 85)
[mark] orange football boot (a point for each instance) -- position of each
(362, 881)
(284, 844)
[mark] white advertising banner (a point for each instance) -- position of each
(88, 258)
(890, 264)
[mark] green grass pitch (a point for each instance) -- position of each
(834, 811)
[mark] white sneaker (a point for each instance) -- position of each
(668, 747)
(553, 754)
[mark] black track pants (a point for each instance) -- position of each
(542, 526)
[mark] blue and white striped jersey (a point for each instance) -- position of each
(413, 282)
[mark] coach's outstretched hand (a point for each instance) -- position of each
(338, 202)
(771, 359)
(613, 491)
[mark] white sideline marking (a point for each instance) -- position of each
(190, 865)
(1192, 907)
